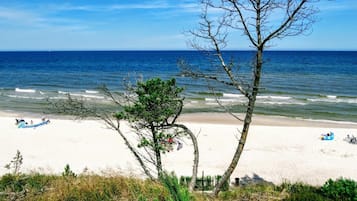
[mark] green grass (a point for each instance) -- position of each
(38, 187)
(43, 187)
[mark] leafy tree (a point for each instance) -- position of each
(151, 108)
(152, 115)
(260, 21)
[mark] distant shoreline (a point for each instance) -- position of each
(171, 50)
(216, 118)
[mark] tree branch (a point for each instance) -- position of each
(286, 24)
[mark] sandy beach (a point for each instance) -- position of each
(278, 149)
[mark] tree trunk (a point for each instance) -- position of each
(192, 184)
(157, 151)
(247, 121)
(195, 161)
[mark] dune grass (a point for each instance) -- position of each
(69, 187)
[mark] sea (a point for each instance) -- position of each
(298, 84)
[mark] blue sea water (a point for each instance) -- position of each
(306, 84)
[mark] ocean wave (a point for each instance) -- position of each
(26, 97)
(63, 92)
(331, 96)
(281, 103)
(334, 100)
(228, 95)
(91, 92)
(58, 98)
(25, 90)
(229, 100)
(265, 99)
(283, 99)
(210, 100)
(275, 97)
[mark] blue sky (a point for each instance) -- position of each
(147, 25)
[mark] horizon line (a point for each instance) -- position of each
(153, 50)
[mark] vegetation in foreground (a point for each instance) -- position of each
(72, 187)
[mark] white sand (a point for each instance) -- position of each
(280, 151)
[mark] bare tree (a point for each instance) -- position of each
(260, 21)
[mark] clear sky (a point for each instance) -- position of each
(147, 25)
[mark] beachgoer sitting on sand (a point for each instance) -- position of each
(351, 139)
(20, 121)
(44, 119)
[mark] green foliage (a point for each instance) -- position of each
(37, 182)
(296, 187)
(12, 183)
(177, 192)
(68, 172)
(19, 186)
(39, 187)
(306, 196)
(301, 192)
(43, 188)
(263, 192)
(157, 101)
(341, 189)
(152, 112)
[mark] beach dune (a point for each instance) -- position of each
(278, 149)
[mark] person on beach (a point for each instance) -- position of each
(351, 139)
(44, 120)
(179, 145)
(18, 121)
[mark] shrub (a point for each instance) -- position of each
(177, 192)
(12, 183)
(306, 196)
(297, 188)
(68, 172)
(262, 191)
(301, 192)
(341, 189)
